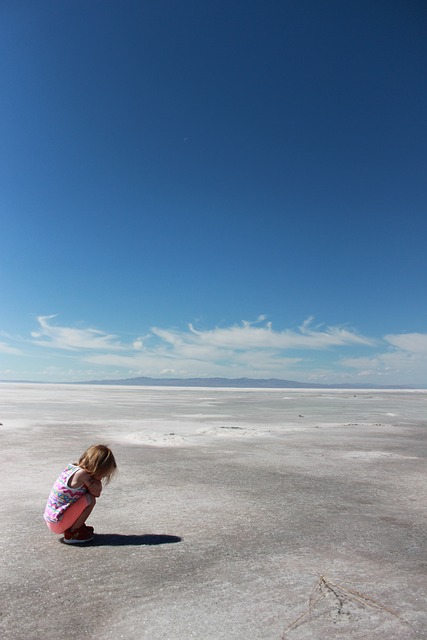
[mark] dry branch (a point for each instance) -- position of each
(324, 586)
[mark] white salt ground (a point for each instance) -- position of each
(229, 507)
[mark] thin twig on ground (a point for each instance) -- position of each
(324, 586)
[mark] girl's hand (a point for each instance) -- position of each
(93, 485)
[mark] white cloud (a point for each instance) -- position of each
(159, 362)
(405, 361)
(200, 344)
(5, 348)
(252, 349)
(247, 336)
(240, 350)
(72, 339)
(412, 342)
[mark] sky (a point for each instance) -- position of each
(217, 188)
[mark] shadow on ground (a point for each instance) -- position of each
(119, 540)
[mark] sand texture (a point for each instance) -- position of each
(236, 514)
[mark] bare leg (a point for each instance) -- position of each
(84, 515)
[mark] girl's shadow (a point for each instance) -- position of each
(120, 540)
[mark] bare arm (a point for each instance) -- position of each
(93, 486)
(83, 477)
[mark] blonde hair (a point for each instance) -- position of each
(98, 460)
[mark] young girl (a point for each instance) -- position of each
(74, 494)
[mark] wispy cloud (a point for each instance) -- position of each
(405, 359)
(251, 348)
(6, 348)
(73, 339)
(249, 336)
(410, 342)
(202, 344)
(245, 349)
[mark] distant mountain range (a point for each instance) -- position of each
(243, 383)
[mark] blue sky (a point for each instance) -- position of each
(213, 188)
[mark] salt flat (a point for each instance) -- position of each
(229, 507)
